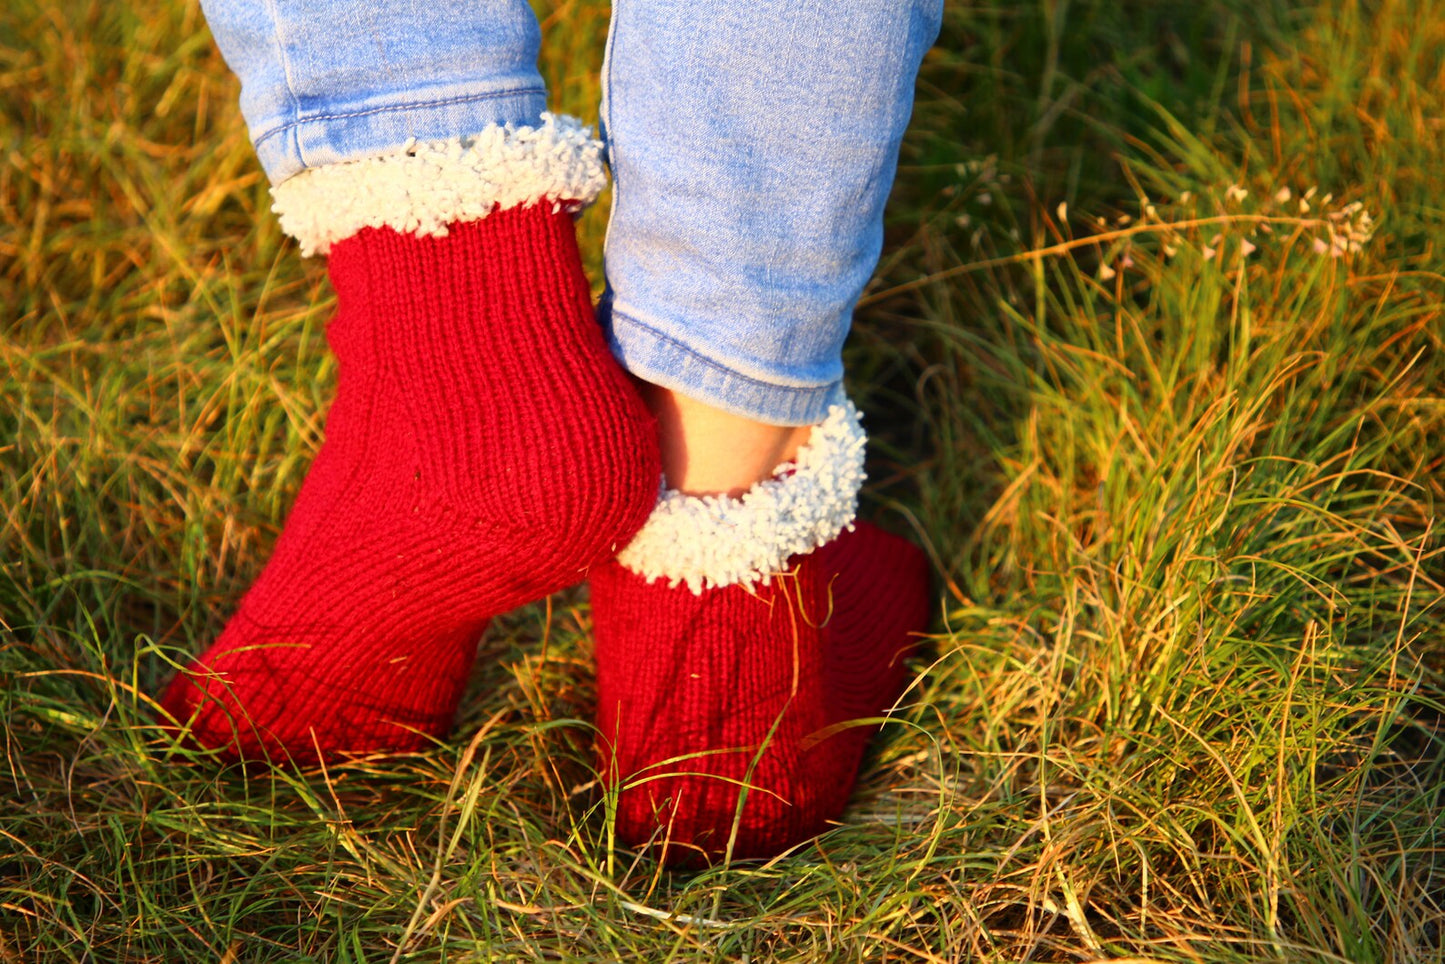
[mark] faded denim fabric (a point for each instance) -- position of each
(752, 145)
(324, 81)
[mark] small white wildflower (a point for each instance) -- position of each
(1170, 250)
(1236, 193)
(1282, 195)
(1184, 198)
(985, 198)
(1304, 206)
(1124, 219)
(1208, 253)
(1150, 211)
(1320, 246)
(1062, 211)
(1106, 273)
(1246, 249)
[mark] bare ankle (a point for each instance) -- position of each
(707, 451)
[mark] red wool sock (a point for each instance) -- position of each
(483, 450)
(702, 693)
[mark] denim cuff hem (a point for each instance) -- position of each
(370, 131)
(663, 360)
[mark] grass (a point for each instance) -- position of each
(1180, 469)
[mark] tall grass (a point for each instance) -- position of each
(1163, 405)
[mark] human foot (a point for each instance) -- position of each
(483, 450)
(724, 701)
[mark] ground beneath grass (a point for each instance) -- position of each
(1155, 369)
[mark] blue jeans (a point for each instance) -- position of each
(752, 148)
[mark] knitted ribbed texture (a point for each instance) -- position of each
(699, 694)
(483, 450)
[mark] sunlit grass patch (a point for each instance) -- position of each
(1154, 369)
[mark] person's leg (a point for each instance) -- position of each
(484, 448)
(710, 451)
(752, 147)
(329, 81)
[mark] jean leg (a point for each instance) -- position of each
(753, 146)
(324, 81)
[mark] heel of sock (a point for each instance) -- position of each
(594, 501)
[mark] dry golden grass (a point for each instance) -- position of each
(1180, 471)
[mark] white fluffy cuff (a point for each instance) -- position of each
(430, 184)
(713, 541)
